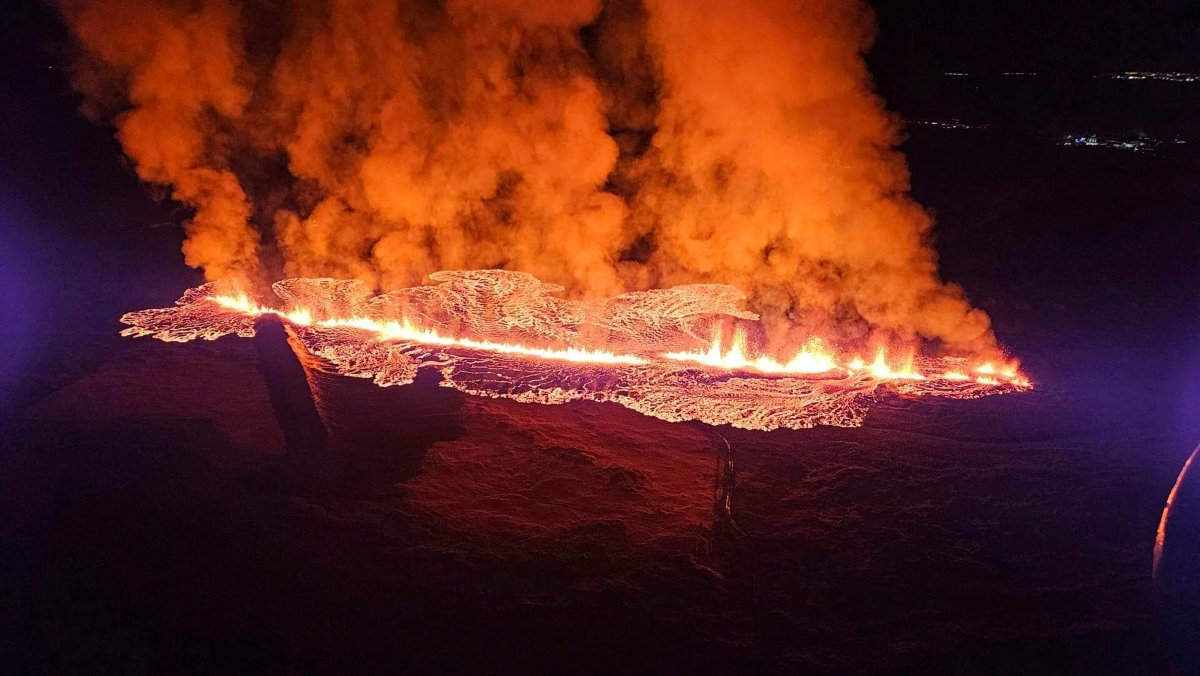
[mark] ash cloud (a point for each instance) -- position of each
(603, 146)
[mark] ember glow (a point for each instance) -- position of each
(403, 330)
(602, 146)
(498, 333)
(812, 358)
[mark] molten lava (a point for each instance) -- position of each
(504, 334)
(403, 330)
(812, 358)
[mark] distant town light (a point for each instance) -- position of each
(951, 123)
(1142, 143)
(1151, 75)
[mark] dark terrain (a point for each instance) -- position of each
(172, 509)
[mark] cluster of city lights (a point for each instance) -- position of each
(1170, 76)
(1150, 75)
(1141, 144)
(951, 123)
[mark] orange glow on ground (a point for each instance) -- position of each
(503, 334)
(812, 359)
(404, 330)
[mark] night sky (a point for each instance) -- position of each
(1053, 37)
(916, 43)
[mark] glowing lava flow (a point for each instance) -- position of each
(490, 332)
(812, 358)
(404, 330)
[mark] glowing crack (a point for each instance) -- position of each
(504, 334)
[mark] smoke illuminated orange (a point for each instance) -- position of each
(413, 137)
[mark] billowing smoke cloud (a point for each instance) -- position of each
(599, 145)
(181, 73)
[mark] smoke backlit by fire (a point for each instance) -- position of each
(602, 146)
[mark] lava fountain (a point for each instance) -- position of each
(505, 334)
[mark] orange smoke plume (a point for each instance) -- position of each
(181, 74)
(605, 147)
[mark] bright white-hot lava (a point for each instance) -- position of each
(505, 334)
(813, 358)
(404, 330)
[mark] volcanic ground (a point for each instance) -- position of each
(179, 508)
(175, 508)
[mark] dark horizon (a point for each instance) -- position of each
(1076, 37)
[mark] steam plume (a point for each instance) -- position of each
(181, 72)
(602, 146)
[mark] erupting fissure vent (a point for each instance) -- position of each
(504, 334)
